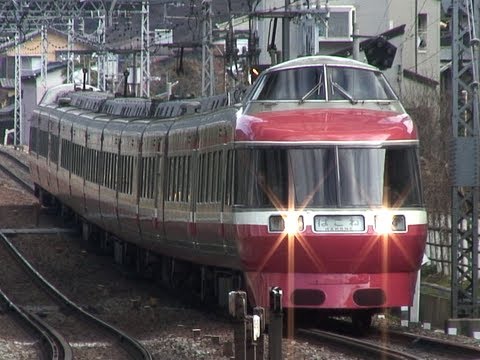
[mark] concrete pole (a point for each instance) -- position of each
(286, 34)
(356, 42)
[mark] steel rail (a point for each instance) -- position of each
(24, 183)
(133, 347)
(53, 344)
(446, 346)
(24, 166)
(380, 351)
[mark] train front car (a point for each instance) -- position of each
(328, 202)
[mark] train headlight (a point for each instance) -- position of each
(387, 223)
(291, 223)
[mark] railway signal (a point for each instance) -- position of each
(255, 71)
(380, 52)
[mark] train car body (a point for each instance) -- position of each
(311, 183)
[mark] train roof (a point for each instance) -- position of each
(317, 60)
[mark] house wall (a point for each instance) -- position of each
(32, 94)
(56, 42)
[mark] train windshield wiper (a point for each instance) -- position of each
(317, 88)
(344, 93)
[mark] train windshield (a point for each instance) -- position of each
(328, 177)
(324, 83)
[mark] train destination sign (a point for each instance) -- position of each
(339, 223)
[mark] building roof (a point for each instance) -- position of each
(8, 83)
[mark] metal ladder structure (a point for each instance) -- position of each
(24, 16)
(465, 159)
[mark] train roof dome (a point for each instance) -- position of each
(321, 60)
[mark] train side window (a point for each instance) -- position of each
(81, 160)
(147, 179)
(214, 186)
(115, 171)
(125, 179)
(126, 174)
(122, 168)
(63, 155)
(205, 177)
(151, 179)
(92, 164)
(108, 170)
(200, 178)
(402, 186)
(171, 168)
(74, 158)
(218, 171)
(176, 179)
(75, 163)
(95, 166)
(179, 179)
(230, 179)
(209, 177)
(54, 148)
(104, 168)
(131, 166)
(43, 148)
(88, 159)
(33, 140)
(101, 168)
(98, 167)
(186, 179)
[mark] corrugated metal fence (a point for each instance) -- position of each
(438, 247)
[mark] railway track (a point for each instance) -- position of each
(394, 345)
(15, 169)
(50, 313)
(49, 343)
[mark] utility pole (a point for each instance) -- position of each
(286, 34)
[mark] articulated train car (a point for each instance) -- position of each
(310, 183)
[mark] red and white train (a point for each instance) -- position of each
(311, 184)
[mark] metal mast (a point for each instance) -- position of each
(208, 80)
(44, 59)
(465, 159)
(102, 54)
(17, 120)
(145, 50)
(70, 54)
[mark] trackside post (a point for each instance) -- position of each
(276, 324)
(237, 305)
